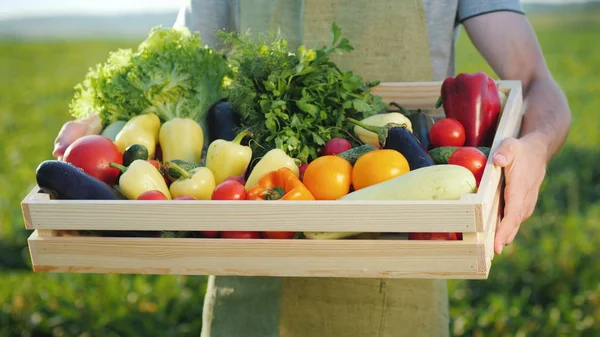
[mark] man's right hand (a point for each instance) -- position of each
(73, 130)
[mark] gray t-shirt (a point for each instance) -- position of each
(443, 22)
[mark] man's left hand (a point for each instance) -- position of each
(524, 164)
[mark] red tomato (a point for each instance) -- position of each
(240, 235)
(470, 157)
(209, 234)
(229, 190)
(302, 168)
(447, 132)
(184, 197)
(335, 146)
(239, 179)
(433, 236)
(92, 154)
(152, 195)
(278, 235)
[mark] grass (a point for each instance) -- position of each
(546, 284)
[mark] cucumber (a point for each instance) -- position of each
(66, 181)
(353, 154)
(440, 155)
(134, 152)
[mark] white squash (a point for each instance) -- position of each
(437, 182)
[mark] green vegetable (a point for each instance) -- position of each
(440, 155)
(354, 153)
(186, 165)
(171, 74)
(133, 152)
(294, 102)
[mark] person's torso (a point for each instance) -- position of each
(366, 23)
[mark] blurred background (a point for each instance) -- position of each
(546, 284)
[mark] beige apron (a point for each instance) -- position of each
(391, 44)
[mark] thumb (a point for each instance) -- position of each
(505, 154)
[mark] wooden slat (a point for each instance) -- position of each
(338, 216)
(422, 95)
(338, 258)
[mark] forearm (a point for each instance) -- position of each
(547, 116)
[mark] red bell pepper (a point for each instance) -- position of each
(473, 100)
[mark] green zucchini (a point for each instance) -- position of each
(353, 154)
(134, 152)
(440, 155)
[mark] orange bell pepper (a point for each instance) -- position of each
(282, 184)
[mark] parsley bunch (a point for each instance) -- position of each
(294, 102)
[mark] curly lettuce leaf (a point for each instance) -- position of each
(171, 74)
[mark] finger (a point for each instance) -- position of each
(512, 236)
(507, 226)
(510, 221)
(69, 132)
(505, 153)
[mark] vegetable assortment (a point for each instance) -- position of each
(183, 122)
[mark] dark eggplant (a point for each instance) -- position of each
(222, 121)
(421, 123)
(66, 181)
(397, 137)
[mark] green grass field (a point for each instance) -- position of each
(546, 284)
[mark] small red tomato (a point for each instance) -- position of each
(92, 154)
(470, 157)
(152, 195)
(302, 168)
(278, 235)
(239, 179)
(335, 146)
(447, 132)
(432, 236)
(210, 234)
(184, 197)
(240, 235)
(229, 190)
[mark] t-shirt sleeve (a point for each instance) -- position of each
(471, 8)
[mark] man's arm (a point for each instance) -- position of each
(507, 41)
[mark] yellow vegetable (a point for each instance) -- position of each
(139, 177)
(272, 161)
(228, 158)
(198, 184)
(371, 138)
(181, 138)
(141, 129)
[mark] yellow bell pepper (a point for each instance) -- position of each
(228, 158)
(139, 177)
(272, 161)
(198, 183)
(141, 129)
(181, 138)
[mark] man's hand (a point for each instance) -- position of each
(507, 41)
(524, 167)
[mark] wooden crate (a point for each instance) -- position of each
(475, 215)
